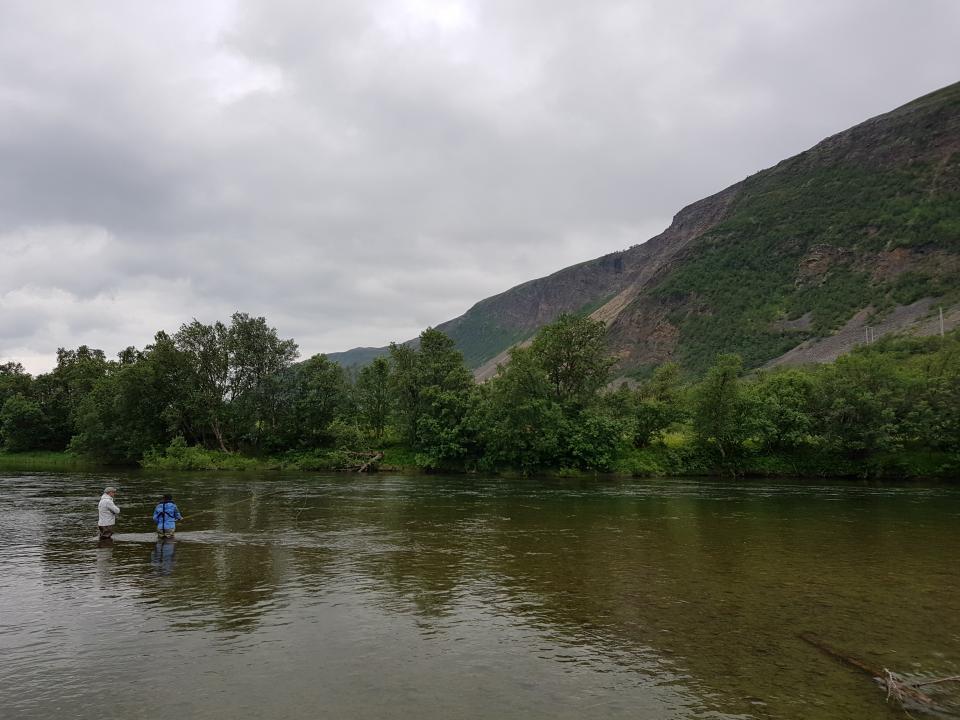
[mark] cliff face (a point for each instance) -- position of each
(856, 229)
(861, 230)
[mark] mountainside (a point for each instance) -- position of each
(793, 264)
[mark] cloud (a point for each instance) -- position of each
(355, 171)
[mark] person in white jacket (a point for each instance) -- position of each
(108, 511)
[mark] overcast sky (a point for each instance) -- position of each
(358, 170)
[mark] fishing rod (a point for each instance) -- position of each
(238, 502)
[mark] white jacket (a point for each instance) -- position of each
(108, 511)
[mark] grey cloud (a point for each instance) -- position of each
(357, 170)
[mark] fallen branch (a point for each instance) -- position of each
(952, 678)
(360, 461)
(896, 688)
(375, 459)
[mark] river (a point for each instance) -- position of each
(337, 596)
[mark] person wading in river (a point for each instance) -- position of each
(165, 516)
(108, 512)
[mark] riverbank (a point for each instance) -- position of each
(668, 459)
(46, 461)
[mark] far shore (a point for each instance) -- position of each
(65, 462)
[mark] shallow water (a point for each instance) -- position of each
(296, 596)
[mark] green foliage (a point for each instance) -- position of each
(373, 398)
(865, 399)
(543, 408)
(721, 409)
(783, 407)
(519, 419)
(178, 455)
(747, 273)
(309, 399)
(833, 300)
(44, 460)
(891, 407)
(480, 337)
(404, 391)
(660, 405)
(572, 352)
(22, 424)
(14, 380)
(136, 406)
(236, 386)
(432, 396)
(444, 398)
(592, 440)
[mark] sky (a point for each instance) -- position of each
(356, 171)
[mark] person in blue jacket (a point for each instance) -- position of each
(165, 516)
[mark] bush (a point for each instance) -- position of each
(178, 455)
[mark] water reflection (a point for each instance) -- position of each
(491, 599)
(163, 556)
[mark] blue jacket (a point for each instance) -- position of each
(166, 516)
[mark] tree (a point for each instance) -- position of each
(720, 413)
(22, 424)
(544, 406)
(444, 388)
(659, 404)
(784, 409)
(572, 352)
(405, 391)
(863, 401)
(14, 380)
(59, 393)
(315, 394)
(206, 348)
(256, 358)
(373, 397)
(137, 407)
(236, 376)
(520, 421)
(592, 441)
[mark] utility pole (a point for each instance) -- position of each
(941, 321)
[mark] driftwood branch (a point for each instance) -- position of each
(952, 678)
(363, 461)
(897, 689)
(372, 461)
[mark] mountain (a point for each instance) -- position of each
(853, 238)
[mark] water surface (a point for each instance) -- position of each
(301, 596)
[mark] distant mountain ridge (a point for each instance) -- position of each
(791, 264)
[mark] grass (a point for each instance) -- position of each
(674, 456)
(45, 460)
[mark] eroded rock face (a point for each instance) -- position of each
(819, 261)
(643, 336)
(888, 265)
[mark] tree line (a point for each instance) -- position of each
(238, 389)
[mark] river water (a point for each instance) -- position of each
(333, 596)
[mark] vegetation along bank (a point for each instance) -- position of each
(233, 396)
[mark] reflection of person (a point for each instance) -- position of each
(108, 512)
(162, 556)
(165, 516)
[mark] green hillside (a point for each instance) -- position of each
(868, 219)
(846, 236)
